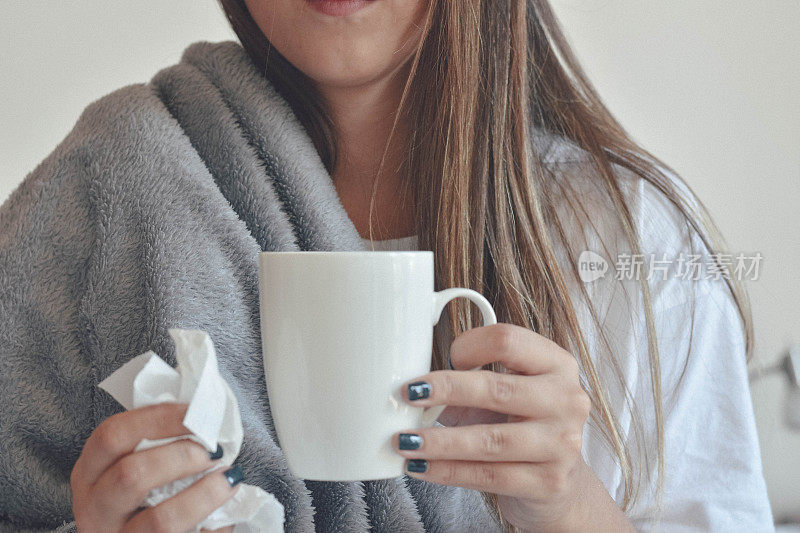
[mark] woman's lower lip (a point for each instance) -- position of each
(338, 8)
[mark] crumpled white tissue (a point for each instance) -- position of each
(212, 418)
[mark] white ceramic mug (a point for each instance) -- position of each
(341, 333)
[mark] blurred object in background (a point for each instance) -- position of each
(792, 369)
(789, 366)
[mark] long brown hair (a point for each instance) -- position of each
(487, 72)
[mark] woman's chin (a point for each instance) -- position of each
(339, 8)
(343, 73)
(342, 43)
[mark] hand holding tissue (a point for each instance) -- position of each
(212, 419)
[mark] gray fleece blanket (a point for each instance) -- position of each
(150, 215)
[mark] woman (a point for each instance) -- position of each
(466, 128)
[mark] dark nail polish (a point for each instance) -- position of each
(409, 441)
(234, 475)
(419, 390)
(417, 465)
(217, 454)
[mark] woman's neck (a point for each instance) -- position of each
(363, 117)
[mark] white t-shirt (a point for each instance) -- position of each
(713, 478)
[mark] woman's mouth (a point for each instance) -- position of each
(338, 8)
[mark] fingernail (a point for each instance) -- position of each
(409, 441)
(234, 475)
(419, 390)
(417, 465)
(216, 454)
(450, 362)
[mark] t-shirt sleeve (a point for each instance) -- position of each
(713, 476)
(712, 467)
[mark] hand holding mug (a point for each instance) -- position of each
(533, 460)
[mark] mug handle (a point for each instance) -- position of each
(440, 299)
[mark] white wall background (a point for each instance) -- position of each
(58, 56)
(709, 86)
